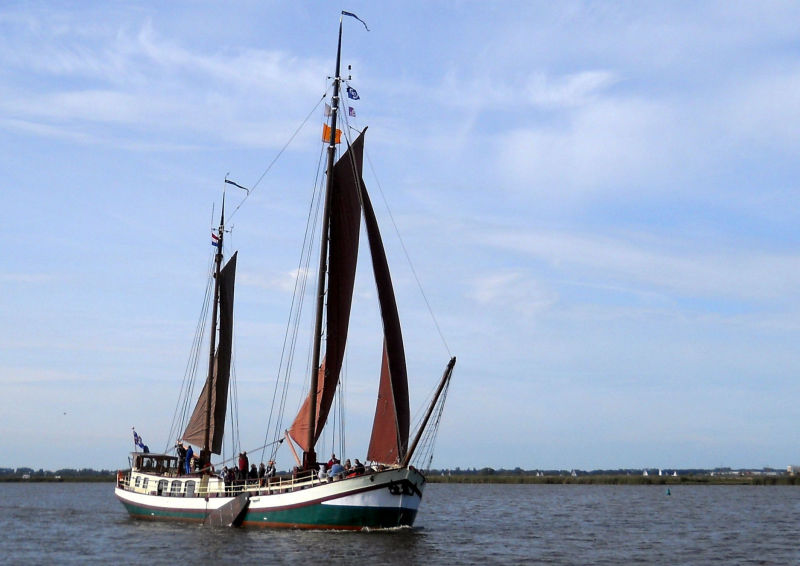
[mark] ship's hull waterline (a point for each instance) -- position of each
(376, 500)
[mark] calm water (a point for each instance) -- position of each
(458, 524)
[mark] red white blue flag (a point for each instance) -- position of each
(214, 240)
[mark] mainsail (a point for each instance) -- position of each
(391, 425)
(217, 382)
(345, 220)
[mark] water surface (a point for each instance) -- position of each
(71, 523)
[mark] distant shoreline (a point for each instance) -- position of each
(68, 479)
(611, 479)
(618, 479)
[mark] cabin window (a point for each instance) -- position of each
(144, 483)
(190, 489)
(162, 487)
(138, 481)
(175, 488)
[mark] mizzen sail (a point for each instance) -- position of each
(215, 390)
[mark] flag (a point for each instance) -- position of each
(137, 440)
(352, 15)
(326, 134)
(327, 109)
(352, 93)
(214, 240)
(351, 111)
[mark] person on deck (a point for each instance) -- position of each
(358, 468)
(230, 479)
(336, 470)
(332, 461)
(189, 457)
(181, 457)
(271, 469)
(244, 464)
(253, 474)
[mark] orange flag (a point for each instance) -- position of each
(326, 133)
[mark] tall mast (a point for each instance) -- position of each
(205, 453)
(309, 457)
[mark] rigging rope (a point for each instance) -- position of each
(183, 406)
(234, 403)
(408, 257)
(397, 232)
(288, 349)
(278, 155)
(287, 357)
(424, 455)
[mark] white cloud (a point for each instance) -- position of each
(154, 87)
(605, 145)
(284, 282)
(764, 109)
(735, 273)
(568, 90)
(511, 291)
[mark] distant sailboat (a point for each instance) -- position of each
(387, 493)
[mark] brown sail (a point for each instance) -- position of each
(299, 429)
(390, 428)
(345, 221)
(217, 382)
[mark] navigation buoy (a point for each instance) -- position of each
(668, 493)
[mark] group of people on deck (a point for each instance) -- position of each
(333, 469)
(244, 472)
(186, 458)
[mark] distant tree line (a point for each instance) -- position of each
(622, 476)
(64, 474)
(487, 471)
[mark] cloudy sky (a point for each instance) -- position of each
(599, 199)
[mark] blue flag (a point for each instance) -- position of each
(352, 93)
(352, 15)
(137, 440)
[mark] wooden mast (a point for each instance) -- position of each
(205, 452)
(309, 457)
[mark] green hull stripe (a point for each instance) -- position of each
(333, 517)
(309, 517)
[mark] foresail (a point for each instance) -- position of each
(390, 428)
(384, 444)
(218, 381)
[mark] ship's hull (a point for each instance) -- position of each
(376, 500)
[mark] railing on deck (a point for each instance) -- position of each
(216, 488)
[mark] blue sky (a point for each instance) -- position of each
(600, 200)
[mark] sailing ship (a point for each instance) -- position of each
(384, 494)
